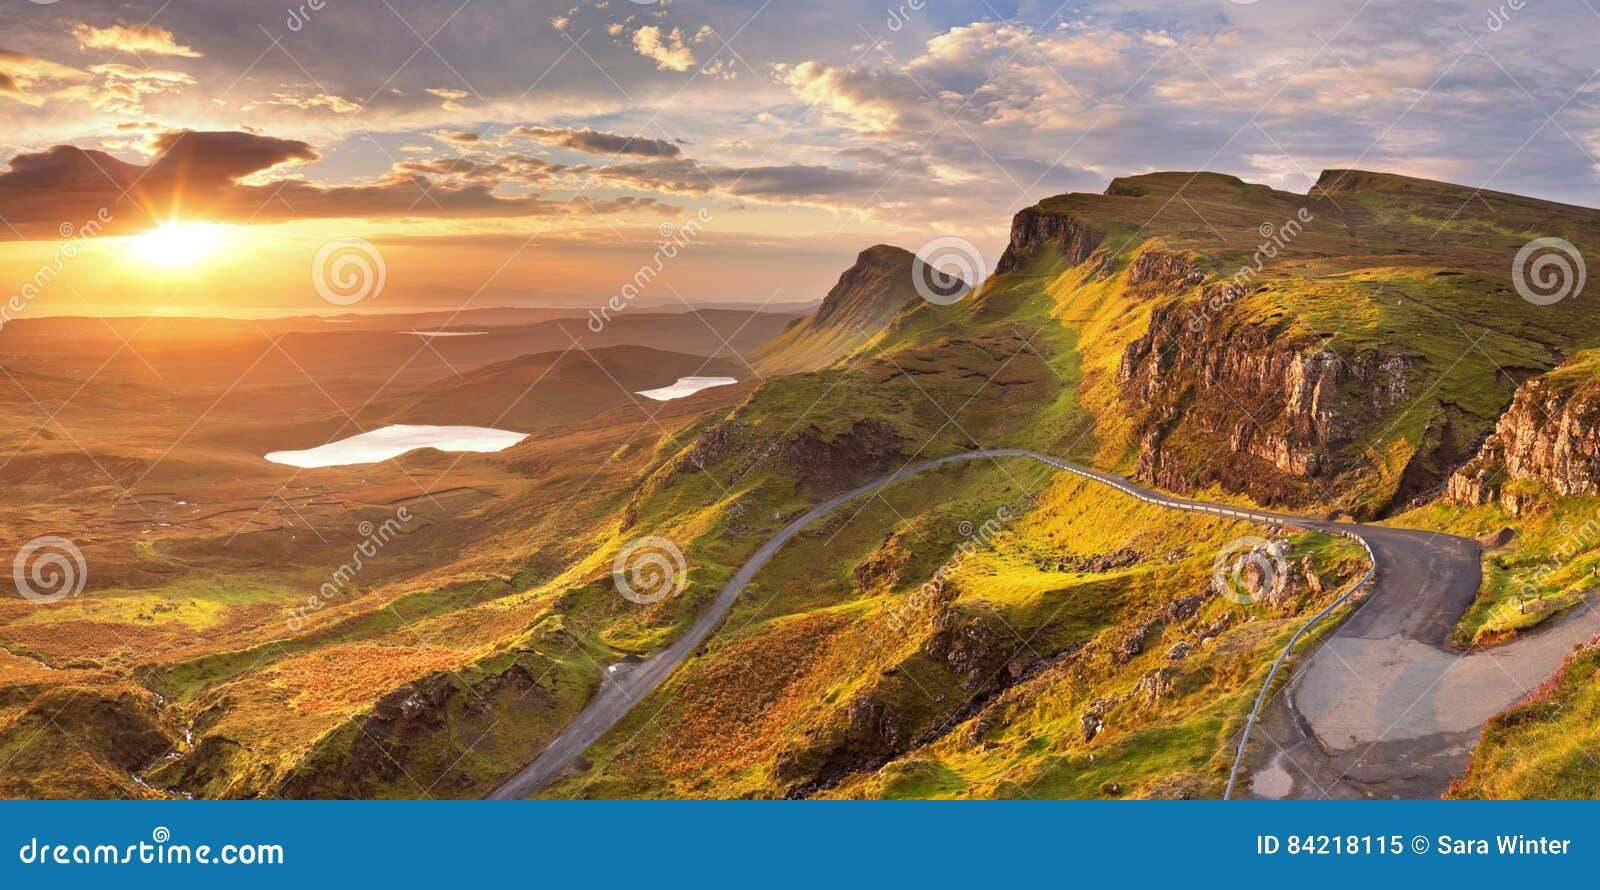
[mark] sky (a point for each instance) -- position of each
(224, 156)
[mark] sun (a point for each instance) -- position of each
(179, 244)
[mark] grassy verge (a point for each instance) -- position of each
(1537, 565)
(1546, 745)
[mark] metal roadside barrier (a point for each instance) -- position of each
(1261, 697)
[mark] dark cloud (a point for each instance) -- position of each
(786, 183)
(218, 158)
(595, 142)
(200, 174)
(515, 167)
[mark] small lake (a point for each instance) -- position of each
(686, 386)
(392, 441)
(431, 334)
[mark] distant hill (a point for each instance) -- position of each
(360, 358)
(550, 388)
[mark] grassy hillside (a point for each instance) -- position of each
(1357, 367)
(841, 675)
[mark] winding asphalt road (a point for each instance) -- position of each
(1382, 708)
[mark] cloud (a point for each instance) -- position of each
(229, 177)
(21, 73)
(133, 39)
(775, 184)
(451, 97)
(876, 102)
(514, 168)
(216, 158)
(335, 104)
(123, 88)
(110, 86)
(666, 50)
(598, 143)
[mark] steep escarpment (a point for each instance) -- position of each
(1345, 349)
(1336, 351)
(1257, 408)
(1549, 437)
(1036, 227)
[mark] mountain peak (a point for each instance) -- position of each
(876, 288)
(886, 256)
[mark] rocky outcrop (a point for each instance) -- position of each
(1549, 435)
(973, 648)
(895, 714)
(1036, 227)
(881, 570)
(1265, 573)
(717, 443)
(829, 465)
(1159, 268)
(825, 464)
(1271, 396)
(1131, 645)
(1120, 558)
(1153, 686)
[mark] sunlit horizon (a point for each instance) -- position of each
(216, 165)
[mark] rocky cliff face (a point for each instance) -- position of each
(1156, 267)
(1550, 434)
(1035, 227)
(1250, 407)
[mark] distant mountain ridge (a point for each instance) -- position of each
(532, 392)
